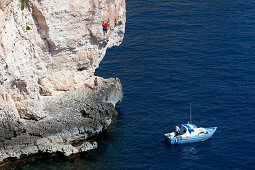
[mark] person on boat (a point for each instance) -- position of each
(177, 130)
(105, 27)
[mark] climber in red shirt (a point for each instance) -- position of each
(105, 27)
(95, 83)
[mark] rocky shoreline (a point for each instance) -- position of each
(75, 116)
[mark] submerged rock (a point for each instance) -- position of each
(48, 50)
(88, 146)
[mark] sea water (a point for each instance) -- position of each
(176, 53)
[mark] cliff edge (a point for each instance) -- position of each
(48, 50)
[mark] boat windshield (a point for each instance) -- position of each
(182, 130)
(194, 126)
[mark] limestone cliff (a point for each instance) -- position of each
(48, 50)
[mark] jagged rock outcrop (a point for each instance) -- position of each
(48, 50)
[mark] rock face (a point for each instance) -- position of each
(48, 50)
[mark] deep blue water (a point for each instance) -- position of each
(175, 53)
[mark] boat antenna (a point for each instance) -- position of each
(190, 113)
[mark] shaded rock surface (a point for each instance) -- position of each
(48, 50)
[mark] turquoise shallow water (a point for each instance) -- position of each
(176, 53)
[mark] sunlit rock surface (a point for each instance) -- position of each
(48, 50)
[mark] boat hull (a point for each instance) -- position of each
(192, 139)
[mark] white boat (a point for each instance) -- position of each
(190, 133)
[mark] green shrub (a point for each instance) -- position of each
(28, 28)
(22, 4)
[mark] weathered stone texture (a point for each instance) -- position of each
(48, 50)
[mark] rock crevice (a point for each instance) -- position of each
(43, 28)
